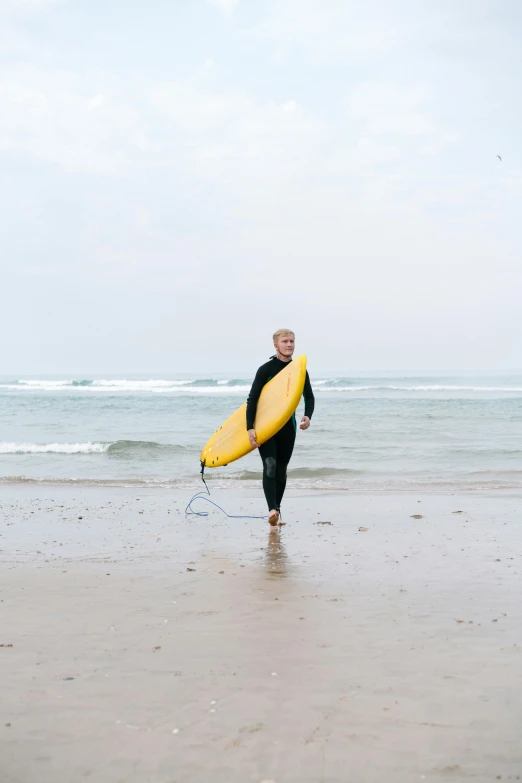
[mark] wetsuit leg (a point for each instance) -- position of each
(268, 452)
(285, 440)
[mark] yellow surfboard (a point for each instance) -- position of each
(277, 402)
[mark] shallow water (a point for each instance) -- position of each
(377, 432)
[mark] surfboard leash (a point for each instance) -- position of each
(205, 495)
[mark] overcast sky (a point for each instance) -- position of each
(179, 178)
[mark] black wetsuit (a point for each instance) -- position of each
(276, 452)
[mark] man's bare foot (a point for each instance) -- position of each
(281, 523)
(273, 517)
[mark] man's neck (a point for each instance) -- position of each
(282, 358)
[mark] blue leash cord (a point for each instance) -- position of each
(205, 495)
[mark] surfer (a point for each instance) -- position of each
(277, 451)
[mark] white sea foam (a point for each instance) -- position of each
(151, 385)
(437, 388)
(226, 387)
(221, 389)
(54, 448)
(37, 383)
(123, 386)
(460, 388)
(213, 390)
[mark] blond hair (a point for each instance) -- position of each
(281, 333)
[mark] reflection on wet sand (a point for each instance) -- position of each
(276, 556)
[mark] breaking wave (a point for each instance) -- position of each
(118, 447)
(238, 386)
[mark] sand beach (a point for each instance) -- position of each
(377, 637)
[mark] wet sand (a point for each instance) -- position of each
(358, 644)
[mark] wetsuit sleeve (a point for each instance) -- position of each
(308, 397)
(253, 397)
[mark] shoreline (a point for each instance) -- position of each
(236, 486)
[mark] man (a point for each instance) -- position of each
(276, 452)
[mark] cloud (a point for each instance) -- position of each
(81, 122)
(229, 133)
(227, 6)
(315, 157)
(333, 30)
(19, 7)
(99, 124)
(399, 112)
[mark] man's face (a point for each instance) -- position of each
(285, 345)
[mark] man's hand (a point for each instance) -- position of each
(305, 423)
(252, 437)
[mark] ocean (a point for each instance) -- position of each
(379, 432)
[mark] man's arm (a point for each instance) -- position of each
(309, 403)
(308, 397)
(253, 397)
